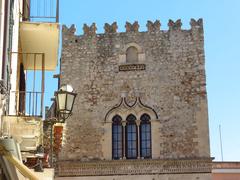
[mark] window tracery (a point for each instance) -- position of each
(131, 130)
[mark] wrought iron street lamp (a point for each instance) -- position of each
(64, 99)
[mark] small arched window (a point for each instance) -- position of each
(117, 137)
(132, 55)
(145, 136)
(131, 137)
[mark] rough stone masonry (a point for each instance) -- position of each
(165, 70)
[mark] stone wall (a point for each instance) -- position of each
(202, 176)
(169, 77)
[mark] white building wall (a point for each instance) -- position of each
(2, 15)
(14, 59)
(2, 12)
(17, 9)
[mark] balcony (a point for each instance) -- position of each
(24, 120)
(39, 45)
(28, 103)
(39, 32)
(27, 97)
(39, 10)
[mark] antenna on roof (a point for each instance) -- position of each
(220, 135)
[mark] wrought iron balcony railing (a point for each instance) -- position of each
(27, 95)
(27, 103)
(41, 10)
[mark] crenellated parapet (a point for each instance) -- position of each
(70, 30)
(89, 30)
(110, 28)
(132, 27)
(175, 25)
(196, 23)
(152, 27)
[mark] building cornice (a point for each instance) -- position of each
(133, 167)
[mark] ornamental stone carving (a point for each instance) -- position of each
(132, 67)
(137, 109)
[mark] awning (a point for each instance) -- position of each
(38, 40)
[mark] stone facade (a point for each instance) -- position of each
(202, 176)
(166, 80)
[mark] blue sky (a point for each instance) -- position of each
(222, 38)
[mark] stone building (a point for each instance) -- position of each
(141, 110)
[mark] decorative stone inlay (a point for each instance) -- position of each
(132, 67)
(123, 109)
(133, 167)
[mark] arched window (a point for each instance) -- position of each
(131, 137)
(132, 55)
(145, 136)
(117, 137)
